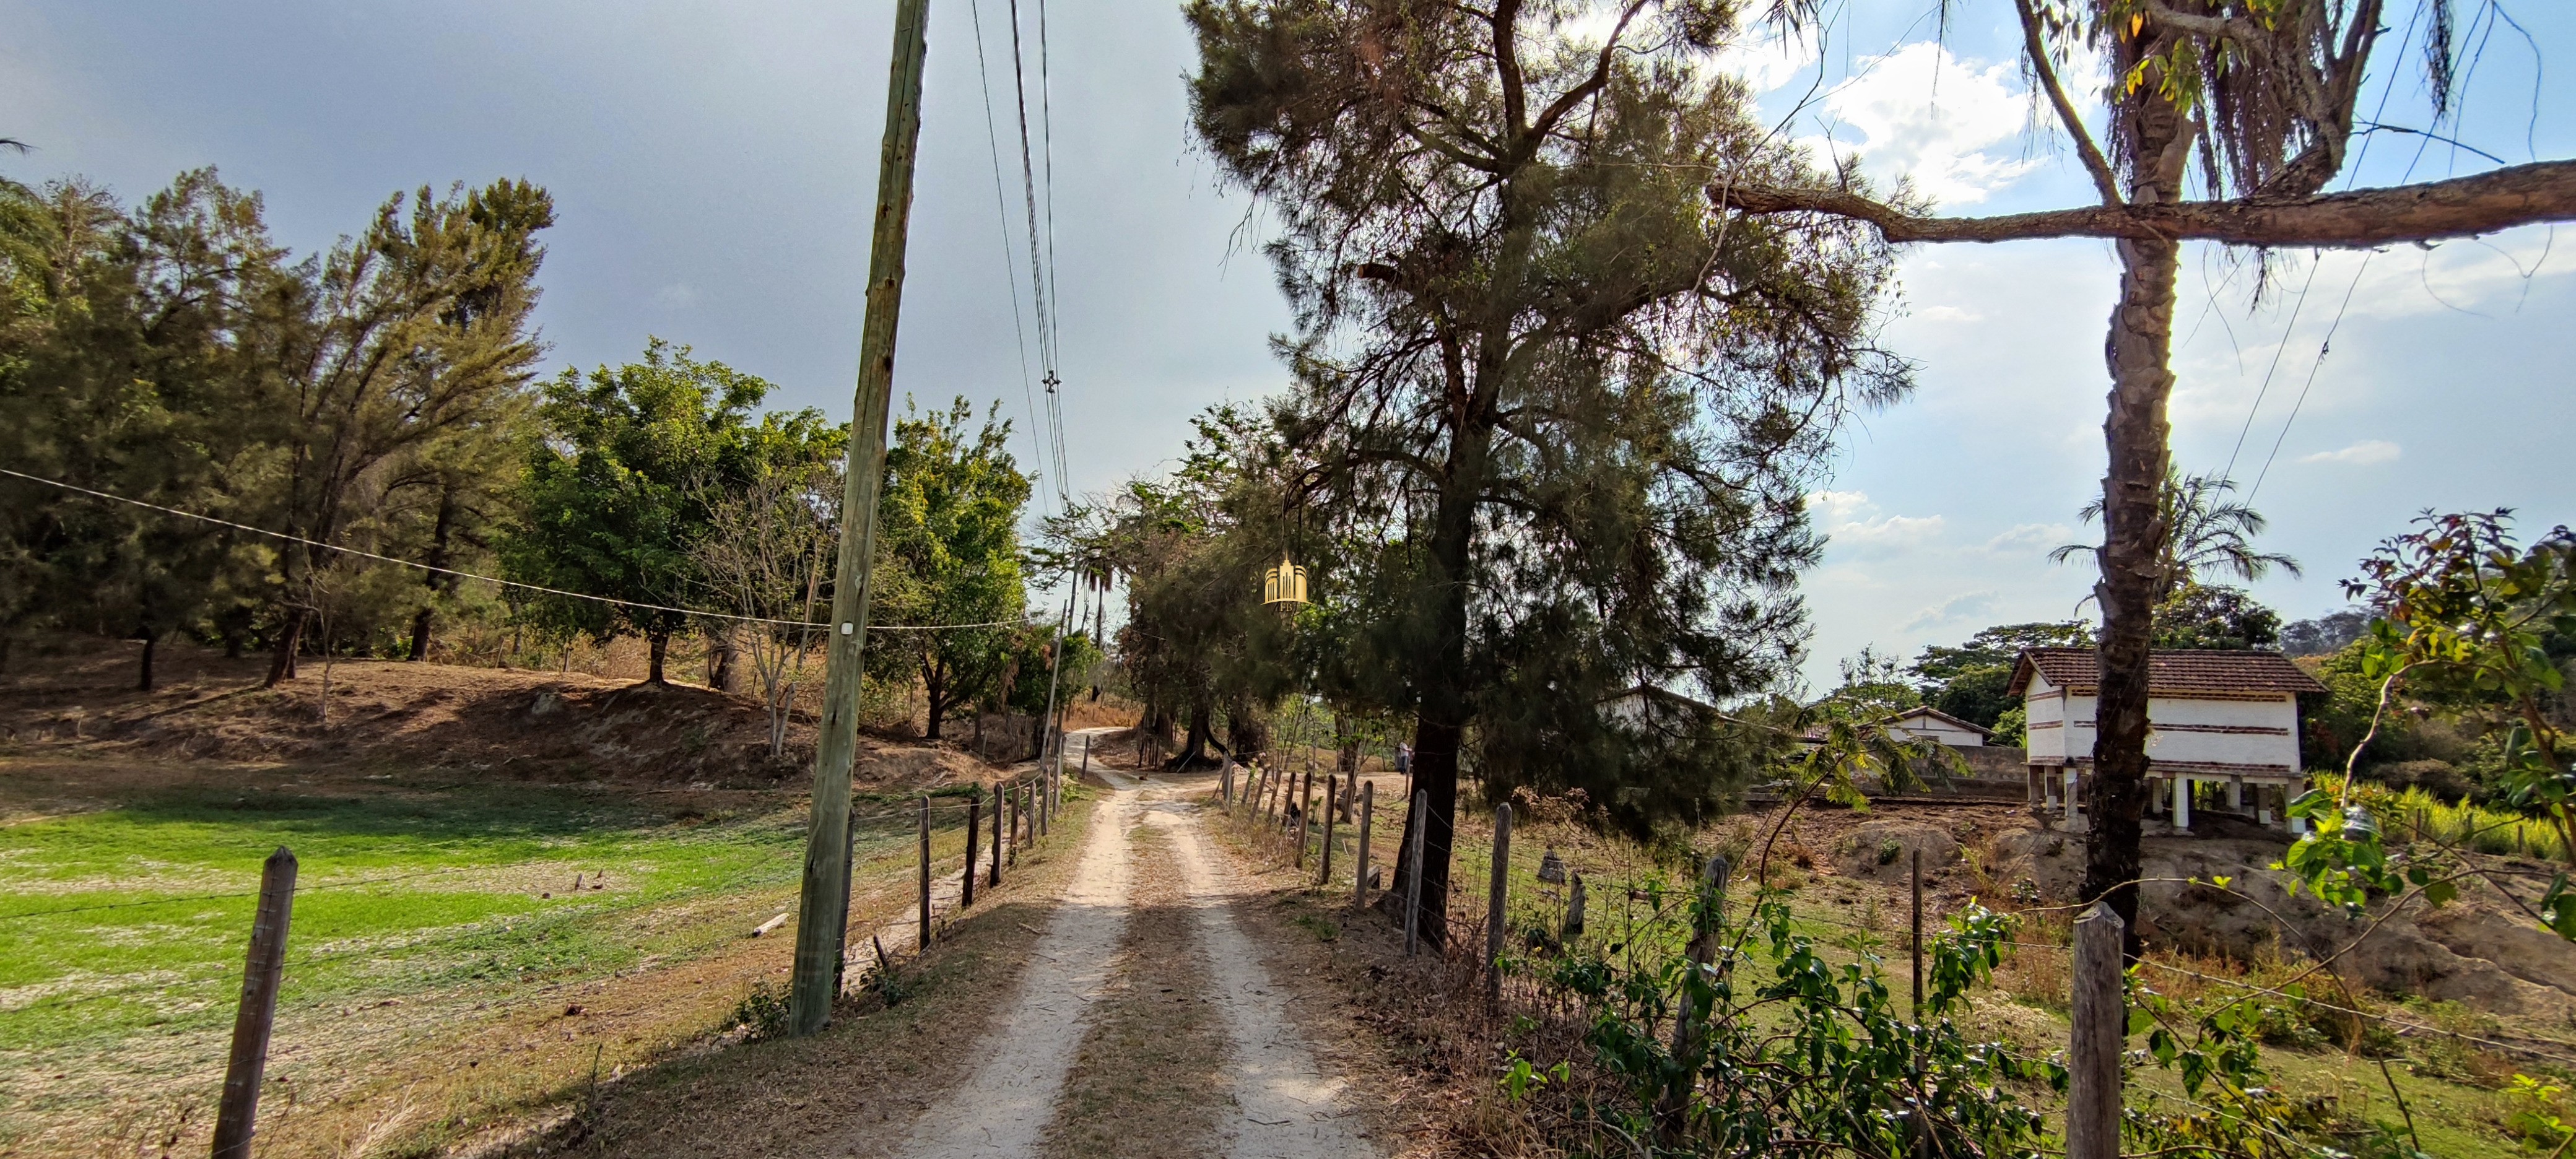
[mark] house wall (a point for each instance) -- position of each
(2047, 734)
(2226, 732)
(2231, 732)
(1942, 731)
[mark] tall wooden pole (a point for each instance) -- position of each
(824, 906)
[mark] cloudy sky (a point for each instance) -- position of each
(713, 167)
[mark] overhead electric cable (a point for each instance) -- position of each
(486, 578)
(1002, 217)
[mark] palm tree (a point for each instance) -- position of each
(2204, 533)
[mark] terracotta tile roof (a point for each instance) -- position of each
(2169, 673)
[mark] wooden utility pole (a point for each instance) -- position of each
(824, 909)
(237, 1117)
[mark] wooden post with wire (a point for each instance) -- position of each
(1495, 894)
(998, 795)
(824, 895)
(974, 825)
(1359, 875)
(1918, 937)
(1332, 789)
(237, 1116)
(1708, 925)
(1305, 814)
(1413, 873)
(2101, 1029)
(924, 942)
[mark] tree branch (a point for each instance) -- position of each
(2362, 218)
(2036, 49)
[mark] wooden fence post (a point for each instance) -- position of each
(1706, 927)
(1494, 898)
(1038, 803)
(1332, 790)
(1413, 873)
(1918, 937)
(238, 1115)
(1359, 876)
(924, 942)
(998, 794)
(1305, 814)
(2101, 1029)
(974, 826)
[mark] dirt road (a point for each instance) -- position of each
(1061, 1053)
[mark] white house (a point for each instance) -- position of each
(2223, 732)
(1924, 722)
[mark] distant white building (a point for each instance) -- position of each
(2223, 732)
(1924, 722)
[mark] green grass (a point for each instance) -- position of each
(116, 921)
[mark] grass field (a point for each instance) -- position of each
(423, 912)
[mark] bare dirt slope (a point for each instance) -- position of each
(2483, 950)
(509, 722)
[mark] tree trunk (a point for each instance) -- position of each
(151, 640)
(1202, 724)
(2139, 352)
(436, 581)
(660, 643)
(720, 660)
(1440, 674)
(932, 692)
(281, 664)
(420, 624)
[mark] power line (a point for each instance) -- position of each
(485, 578)
(2320, 364)
(1002, 218)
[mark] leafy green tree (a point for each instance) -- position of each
(617, 496)
(2328, 633)
(948, 552)
(1969, 681)
(418, 330)
(2214, 616)
(124, 367)
(1529, 351)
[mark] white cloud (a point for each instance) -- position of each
(676, 296)
(2368, 452)
(1948, 314)
(1838, 507)
(1852, 521)
(1891, 533)
(2030, 537)
(1928, 116)
(1952, 610)
(1766, 62)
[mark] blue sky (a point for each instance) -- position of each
(713, 166)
